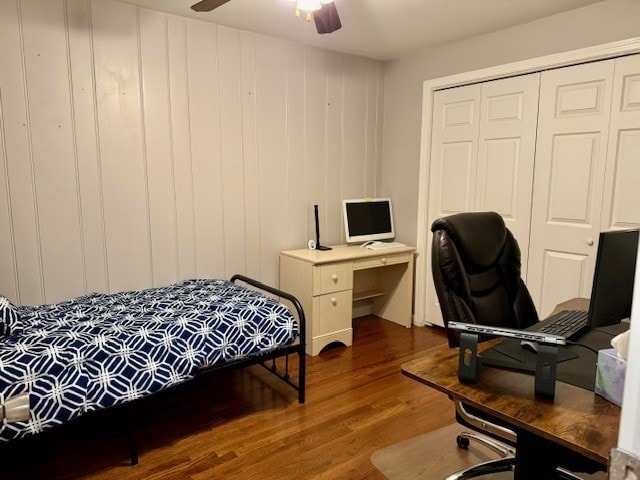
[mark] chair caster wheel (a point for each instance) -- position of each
(463, 442)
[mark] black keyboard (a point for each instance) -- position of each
(566, 323)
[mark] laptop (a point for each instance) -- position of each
(507, 332)
(612, 290)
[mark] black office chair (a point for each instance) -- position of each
(476, 271)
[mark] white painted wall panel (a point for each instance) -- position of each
(202, 71)
(315, 94)
(86, 144)
(334, 231)
(371, 120)
(157, 147)
(231, 149)
(299, 209)
(181, 146)
(379, 139)
(8, 281)
(272, 144)
(18, 158)
(355, 116)
(250, 153)
(52, 149)
(125, 202)
(141, 148)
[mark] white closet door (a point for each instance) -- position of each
(454, 152)
(506, 150)
(622, 180)
(569, 179)
(483, 145)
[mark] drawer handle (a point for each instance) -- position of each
(334, 301)
(335, 278)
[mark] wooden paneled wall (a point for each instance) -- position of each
(139, 148)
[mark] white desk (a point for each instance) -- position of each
(327, 283)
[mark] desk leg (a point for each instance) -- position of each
(535, 458)
(538, 459)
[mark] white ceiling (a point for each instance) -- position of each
(380, 29)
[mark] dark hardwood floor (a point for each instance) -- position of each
(246, 424)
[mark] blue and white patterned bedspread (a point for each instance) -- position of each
(101, 350)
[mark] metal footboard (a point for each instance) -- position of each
(299, 347)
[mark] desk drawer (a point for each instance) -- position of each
(334, 277)
(334, 312)
(381, 261)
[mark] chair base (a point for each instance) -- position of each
(498, 447)
(506, 462)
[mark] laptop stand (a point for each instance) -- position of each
(469, 363)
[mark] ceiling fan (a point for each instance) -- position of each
(324, 12)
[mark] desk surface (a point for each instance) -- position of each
(341, 253)
(576, 418)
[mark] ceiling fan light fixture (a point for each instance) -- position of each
(309, 5)
(323, 12)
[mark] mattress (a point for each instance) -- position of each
(101, 350)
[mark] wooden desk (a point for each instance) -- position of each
(576, 419)
(328, 283)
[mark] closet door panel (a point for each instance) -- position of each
(483, 145)
(458, 166)
(454, 152)
(565, 265)
(506, 150)
(455, 145)
(571, 153)
(622, 180)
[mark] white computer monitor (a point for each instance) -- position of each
(367, 219)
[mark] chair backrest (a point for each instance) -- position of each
(476, 271)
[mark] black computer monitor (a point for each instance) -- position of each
(612, 290)
(367, 219)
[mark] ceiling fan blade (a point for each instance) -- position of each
(208, 5)
(327, 19)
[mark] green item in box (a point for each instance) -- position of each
(610, 375)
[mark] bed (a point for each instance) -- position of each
(60, 361)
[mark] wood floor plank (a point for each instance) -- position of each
(246, 424)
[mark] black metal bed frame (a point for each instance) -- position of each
(298, 348)
(124, 411)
